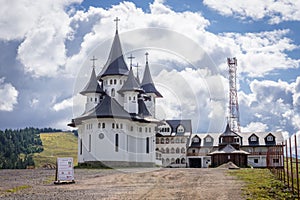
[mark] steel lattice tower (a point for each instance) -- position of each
(234, 115)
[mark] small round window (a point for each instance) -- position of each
(101, 136)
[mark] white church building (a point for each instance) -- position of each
(117, 127)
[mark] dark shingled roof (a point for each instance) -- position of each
(115, 64)
(147, 83)
(143, 111)
(228, 132)
(131, 84)
(186, 123)
(92, 86)
(108, 108)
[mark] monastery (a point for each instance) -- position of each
(118, 127)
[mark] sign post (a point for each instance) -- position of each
(64, 171)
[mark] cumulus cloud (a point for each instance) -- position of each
(270, 106)
(9, 96)
(42, 27)
(275, 11)
(261, 53)
(255, 127)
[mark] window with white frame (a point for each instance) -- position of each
(253, 138)
(270, 138)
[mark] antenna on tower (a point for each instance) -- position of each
(234, 114)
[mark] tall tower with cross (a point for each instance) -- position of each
(93, 91)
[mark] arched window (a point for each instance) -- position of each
(147, 145)
(172, 140)
(182, 140)
(99, 125)
(129, 98)
(162, 141)
(163, 161)
(113, 125)
(113, 92)
(162, 150)
(167, 140)
(140, 129)
(157, 140)
(111, 81)
(167, 150)
(117, 142)
(146, 129)
(177, 140)
(115, 81)
(182, 160)
(121, 126)
(103, 125)
(95, 99)
(120, 82)
(149, 129)
(172, 150)
(173, 160)
(131, 128)
(177, 150)
(167, 161)
(177, 161)
(182, 150)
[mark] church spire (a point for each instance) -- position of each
(131, 84)
(115, 64)
(92, 86)
(147, 82)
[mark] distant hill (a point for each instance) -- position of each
(62, 144)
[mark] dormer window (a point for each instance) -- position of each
(180, 129)
(270, 138)
(253, 138)
(196, 140)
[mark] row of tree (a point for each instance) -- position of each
(18, 146)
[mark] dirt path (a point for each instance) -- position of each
(115, 184)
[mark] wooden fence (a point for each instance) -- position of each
(287, 169)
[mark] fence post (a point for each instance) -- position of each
(287, 164)
(282, 150)
(297, 174)
(291, 161)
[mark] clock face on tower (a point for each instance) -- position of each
(101, 136)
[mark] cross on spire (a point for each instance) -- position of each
(93, 60)
(137, 71)
(131, 57)
(146, 54)
(116, 20)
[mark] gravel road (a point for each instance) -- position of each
(168, 184)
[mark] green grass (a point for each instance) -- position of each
(56, 145)
(261, 184)
(16, 189)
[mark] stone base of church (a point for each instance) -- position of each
(114, 164)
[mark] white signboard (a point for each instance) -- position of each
(65, 169)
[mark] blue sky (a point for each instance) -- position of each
(46, 47)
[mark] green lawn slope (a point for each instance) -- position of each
(62, 144)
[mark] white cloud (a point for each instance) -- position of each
(275, 11)
(261, 53)
(9, 95)
(66, 103)
(255, 127)
(43, 27)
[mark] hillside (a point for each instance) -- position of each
(55, 145)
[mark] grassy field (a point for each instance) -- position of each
(262, 184)
(56, 145)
